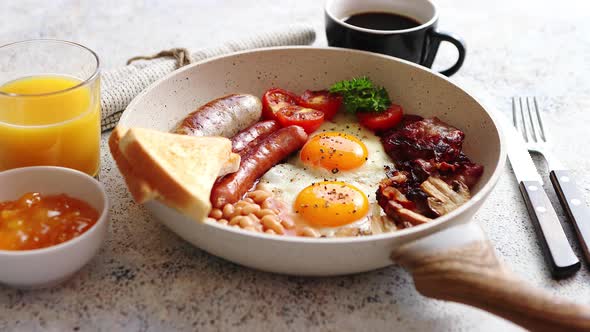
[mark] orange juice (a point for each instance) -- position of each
(50, 120)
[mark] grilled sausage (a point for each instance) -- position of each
(257, 161)
(253, 135)
(223, 116)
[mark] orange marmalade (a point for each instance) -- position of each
(36, 221)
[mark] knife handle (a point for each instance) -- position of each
(556, 248)
(573, 203)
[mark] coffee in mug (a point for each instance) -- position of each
(406, 29)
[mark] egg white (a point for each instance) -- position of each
(286, 180)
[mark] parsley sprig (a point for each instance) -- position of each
(361, 95)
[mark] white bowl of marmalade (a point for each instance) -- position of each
(53, 220)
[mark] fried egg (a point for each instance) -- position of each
(330, 184)
(334, 151)
(331, 204)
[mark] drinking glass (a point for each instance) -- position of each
(49, 105)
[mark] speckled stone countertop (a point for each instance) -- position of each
(145, 278)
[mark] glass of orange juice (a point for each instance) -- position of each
(49, 105)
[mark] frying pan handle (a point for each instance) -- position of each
(469, 272)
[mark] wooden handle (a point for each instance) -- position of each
(573, 203)
(558, 252)
(472, 275)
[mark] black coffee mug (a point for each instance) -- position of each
(417, 44)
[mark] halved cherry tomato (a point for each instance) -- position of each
(309, 119)
(381, 120)
(324, 101)
(274, 99)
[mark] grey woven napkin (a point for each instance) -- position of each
(120, 86)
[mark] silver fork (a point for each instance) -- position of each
(527, 119)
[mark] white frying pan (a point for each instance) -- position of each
(449, 258)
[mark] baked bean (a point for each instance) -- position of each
(241, 204)
(246, 222)
(266, 204)
(248, 214)
(309, 232)
(259, 195)
(237, 211)
(250, 208)
(228, 211)
(251, 229)
(288, 223)
(269, 217)
(236, 220)
(211, 219)
(263, 212)
(254, 218)
(272, 222)
(216, 214)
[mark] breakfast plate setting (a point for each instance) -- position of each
(271, 159)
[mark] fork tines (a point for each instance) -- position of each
(527, 119)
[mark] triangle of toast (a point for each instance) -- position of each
(178, 170)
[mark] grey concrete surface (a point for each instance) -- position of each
(147, 279)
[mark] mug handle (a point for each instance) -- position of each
(434, 39)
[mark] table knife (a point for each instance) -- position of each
(556, 248)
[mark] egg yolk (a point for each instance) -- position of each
(331, 204)
(334, 151)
